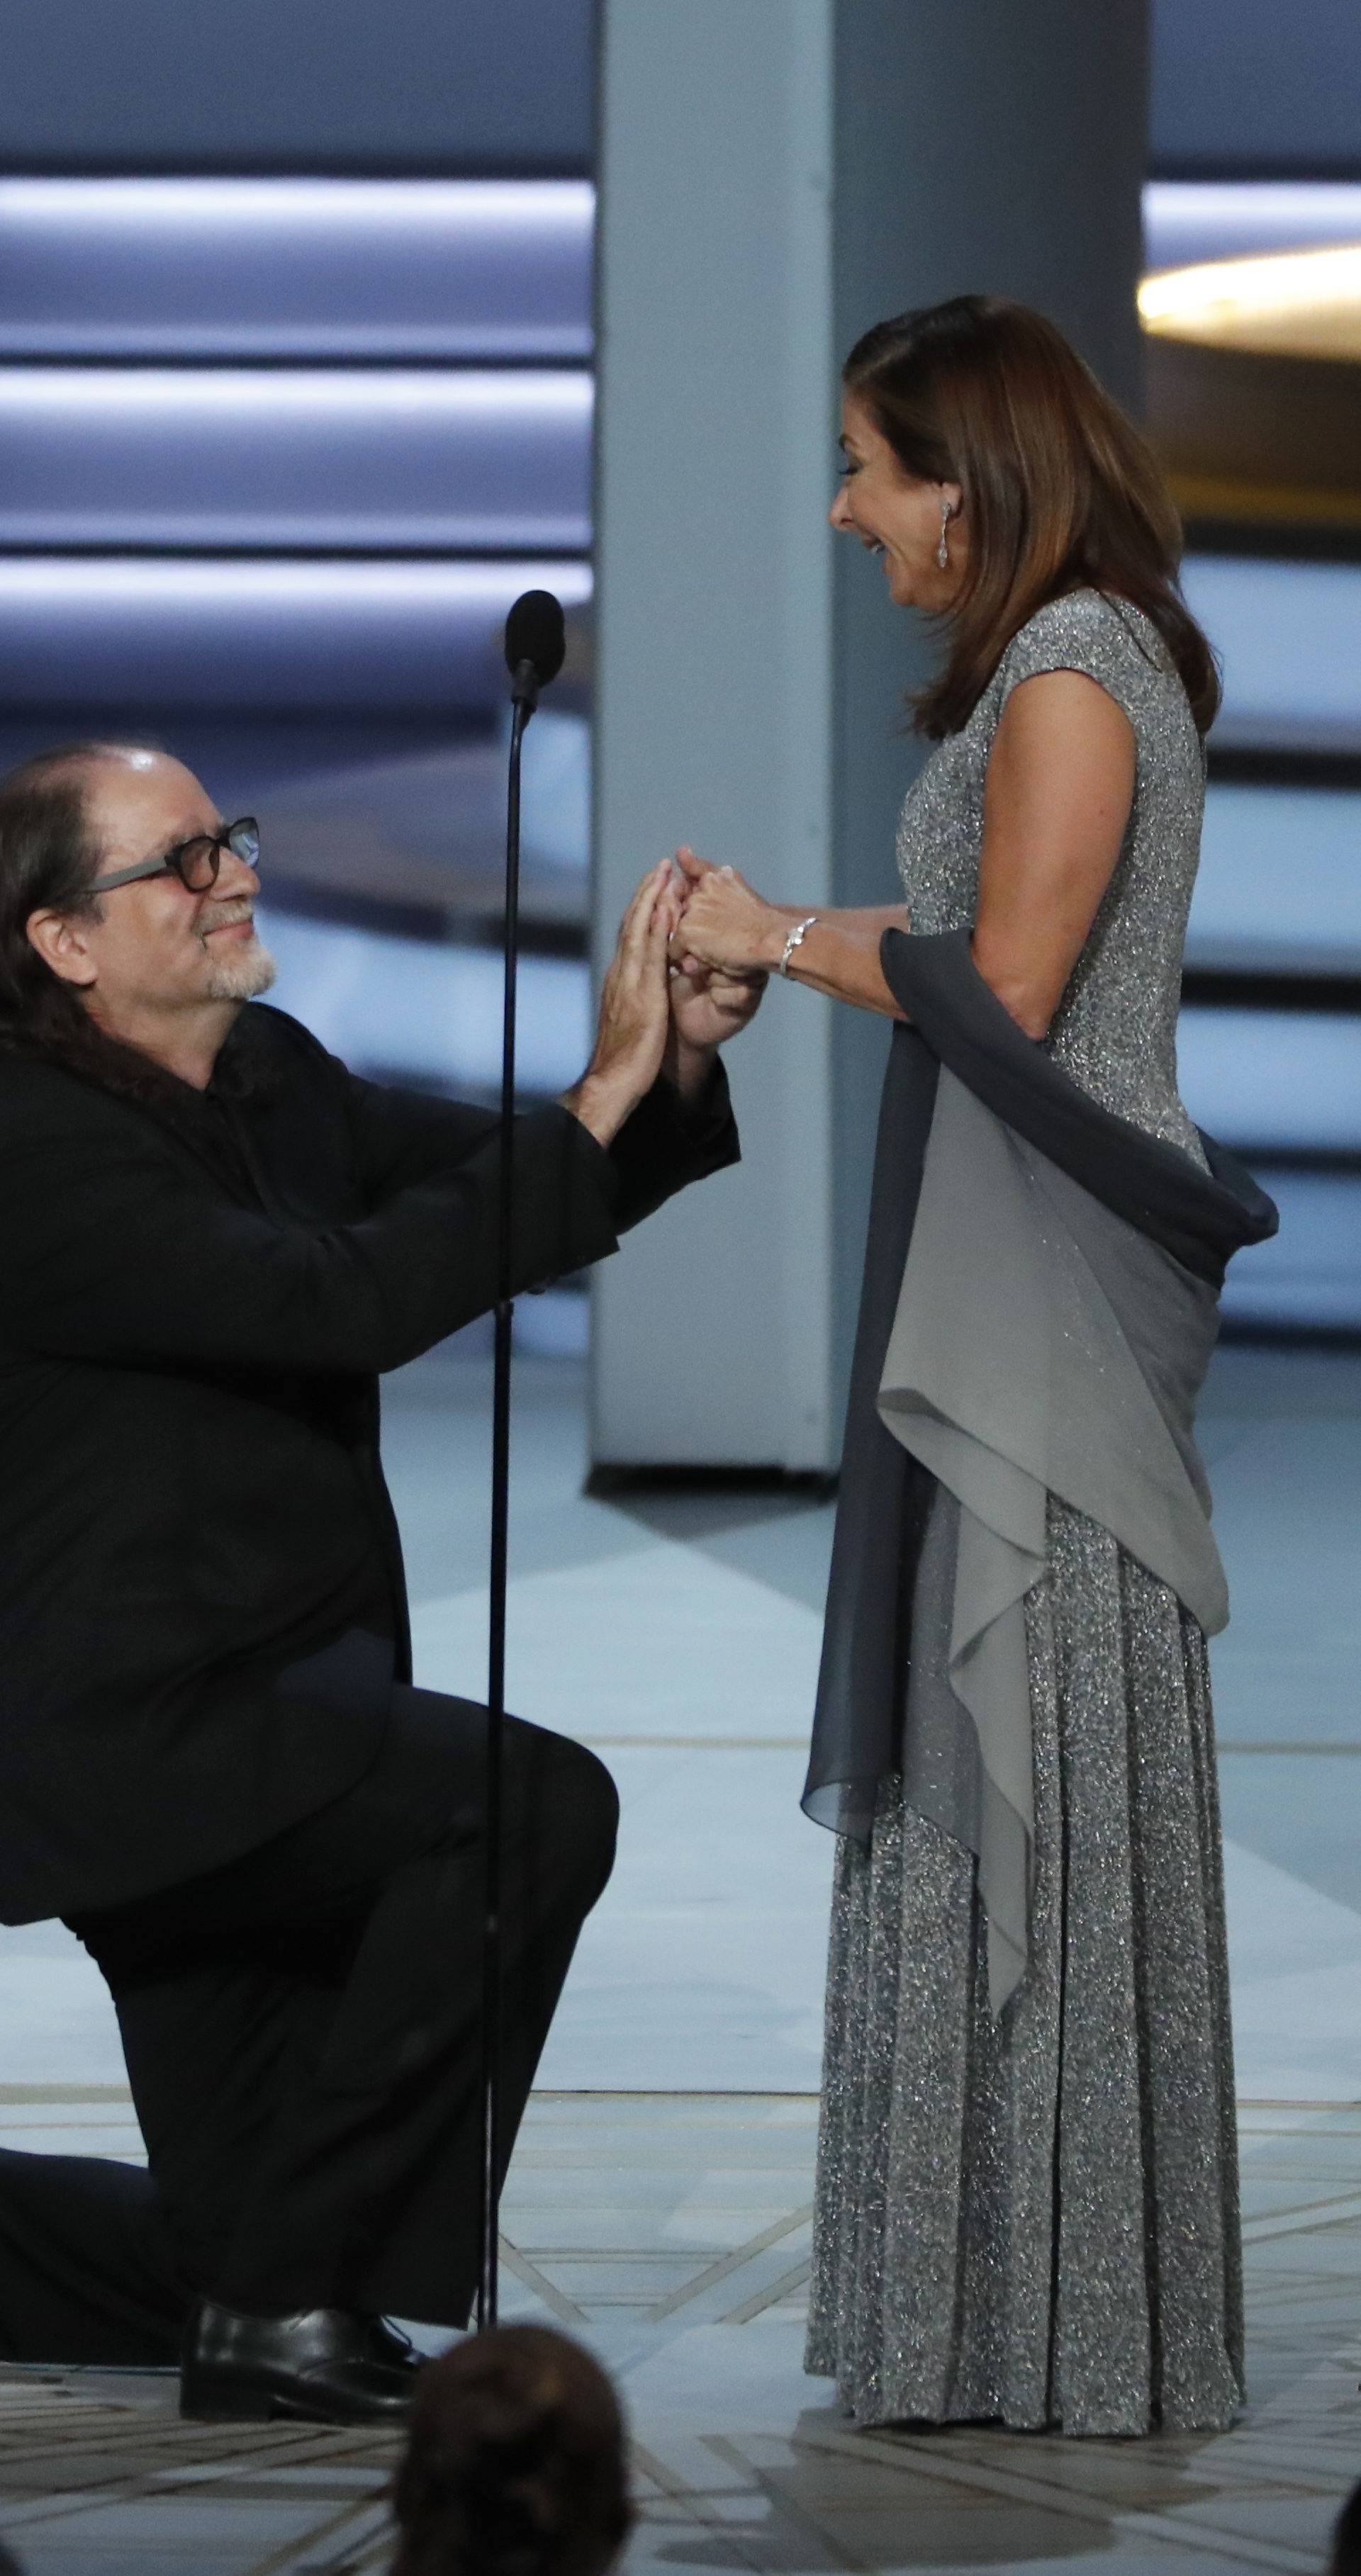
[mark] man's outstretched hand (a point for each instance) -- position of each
(635, 1021)
(707, 1008)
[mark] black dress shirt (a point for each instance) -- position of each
(202, 1603)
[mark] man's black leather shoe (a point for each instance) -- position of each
(388, 2344)
(320, 2366)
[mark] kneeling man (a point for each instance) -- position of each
(213, 1763)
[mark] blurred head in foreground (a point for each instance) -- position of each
(515, 2462)
(1345, 2559)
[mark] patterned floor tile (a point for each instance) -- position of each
(672, 2233)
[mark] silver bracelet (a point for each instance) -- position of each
(797, 935)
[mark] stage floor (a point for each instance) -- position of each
(659, 2201)
(671, 2232)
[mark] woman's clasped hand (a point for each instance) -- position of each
(725, 928)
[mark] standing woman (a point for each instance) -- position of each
(1027, 2201)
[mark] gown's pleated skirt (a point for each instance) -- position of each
(1037, 2220)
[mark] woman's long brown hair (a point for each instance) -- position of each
(1060, 491)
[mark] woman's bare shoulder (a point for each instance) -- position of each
(1102, 638)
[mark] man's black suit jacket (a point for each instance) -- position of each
(202, 1604)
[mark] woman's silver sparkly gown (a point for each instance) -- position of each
(1037, 2220)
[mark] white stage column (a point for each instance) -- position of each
(775, 175)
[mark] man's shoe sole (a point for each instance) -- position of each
(272, 2406)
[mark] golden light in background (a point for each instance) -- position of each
(1301, 304)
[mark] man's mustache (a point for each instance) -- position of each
(222, 915)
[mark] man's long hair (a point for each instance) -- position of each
(48, 861)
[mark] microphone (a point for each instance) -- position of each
(536, 641)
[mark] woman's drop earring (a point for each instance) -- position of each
(942, 550)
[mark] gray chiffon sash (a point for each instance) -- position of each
(1041, 1345)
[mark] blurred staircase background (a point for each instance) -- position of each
(275, 456)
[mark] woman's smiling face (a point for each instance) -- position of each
(898, 516)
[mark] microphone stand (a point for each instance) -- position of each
(524, 699)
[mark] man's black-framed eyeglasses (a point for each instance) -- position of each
(195, 863)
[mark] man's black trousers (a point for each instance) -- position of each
(302, 2035)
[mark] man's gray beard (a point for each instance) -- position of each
(241, 978)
